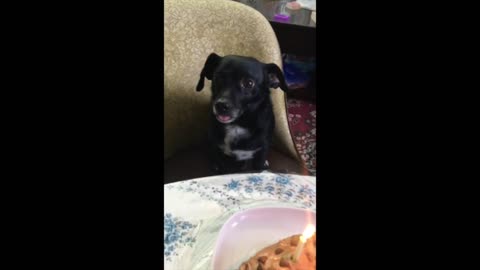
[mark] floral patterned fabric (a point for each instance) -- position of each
(302, 116)
(196, 210)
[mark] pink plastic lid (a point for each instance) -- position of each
(293, 5)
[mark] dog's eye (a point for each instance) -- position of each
(248, 83)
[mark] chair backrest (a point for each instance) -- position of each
(193, 29)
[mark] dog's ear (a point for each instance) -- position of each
(275, 77)
(207, 71)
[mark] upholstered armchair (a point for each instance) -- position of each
(193, 30)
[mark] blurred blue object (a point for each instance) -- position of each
(298, 71)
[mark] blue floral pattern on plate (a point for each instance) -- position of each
(275, 186)
(176, 234)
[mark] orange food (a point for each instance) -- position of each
(279, 256)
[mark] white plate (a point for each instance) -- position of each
(247, 232)
(196, 210)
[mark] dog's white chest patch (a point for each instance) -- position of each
(243, 155)
(233, 132)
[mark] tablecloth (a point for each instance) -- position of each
(195, 210)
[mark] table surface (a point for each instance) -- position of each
(195, 210)
(269, 8)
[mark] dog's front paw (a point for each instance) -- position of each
(260, 166)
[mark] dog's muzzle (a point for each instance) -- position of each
(224, 111)
(222, 107)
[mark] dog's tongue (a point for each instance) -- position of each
(223, 118)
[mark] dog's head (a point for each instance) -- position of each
(239, 84)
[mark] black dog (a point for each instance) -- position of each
(242, 115)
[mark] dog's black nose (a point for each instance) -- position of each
(222, 107)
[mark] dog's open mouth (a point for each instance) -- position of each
(224, 118)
